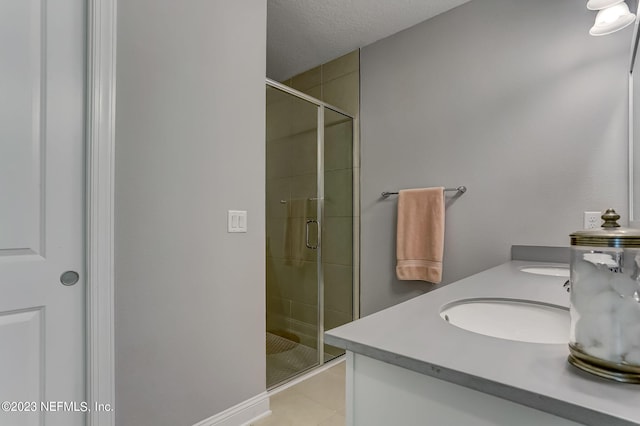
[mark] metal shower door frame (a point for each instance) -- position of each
(320, 204)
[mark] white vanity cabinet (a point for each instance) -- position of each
(406, 365)
(382, 394)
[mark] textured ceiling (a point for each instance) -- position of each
(302, 34)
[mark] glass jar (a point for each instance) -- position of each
(605, 300)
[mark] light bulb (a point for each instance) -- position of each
(612, 19)
(601, 4)
(611, 14)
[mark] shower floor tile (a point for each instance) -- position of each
(286, 359)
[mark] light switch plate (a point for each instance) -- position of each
(237, 221)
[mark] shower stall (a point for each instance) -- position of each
(311, 230)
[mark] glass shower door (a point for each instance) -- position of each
(338, 224)
(292, 246)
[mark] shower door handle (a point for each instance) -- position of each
(307, 243)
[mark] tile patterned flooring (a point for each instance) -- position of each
(287, 359)
(316, 401)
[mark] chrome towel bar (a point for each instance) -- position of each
(300, 199)
(460, 190)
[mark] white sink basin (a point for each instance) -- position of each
(511, 319)
(554, 271)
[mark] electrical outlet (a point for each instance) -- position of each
(592, 220)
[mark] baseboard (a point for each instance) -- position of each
(241, 414)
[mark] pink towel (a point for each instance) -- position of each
(420, 234)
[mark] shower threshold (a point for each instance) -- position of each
(287, 360)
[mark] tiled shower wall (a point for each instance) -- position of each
(336, 83)
(291, 174)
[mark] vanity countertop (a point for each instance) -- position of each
(414, 336)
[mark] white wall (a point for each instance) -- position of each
(511, 98)
(190, 316)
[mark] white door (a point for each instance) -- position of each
(41, 212)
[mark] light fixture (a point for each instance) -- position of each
(612, 18)
(601, 4)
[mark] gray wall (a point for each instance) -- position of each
(636, 143)
(190, 316)
(511, 98)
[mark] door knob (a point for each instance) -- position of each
(69, 278)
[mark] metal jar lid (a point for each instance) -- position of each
(610, 235)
